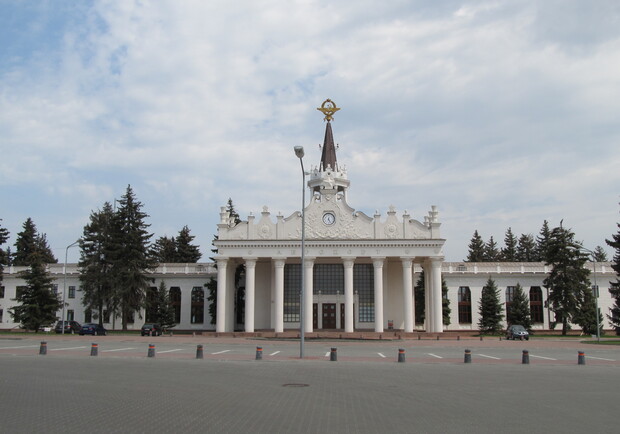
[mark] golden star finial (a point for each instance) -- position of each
(328, 108)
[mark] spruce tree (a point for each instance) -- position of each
(37, 302)
(509, 251)
(614, 311)
(568, 279)
(586, 315)
(28, 243)
(233, 215)
(162, 308)
(490, 309)
(491, 252)
(186, 251)
(526, 249)
(164, 250)
(420, 305)
(132, 260)
(4, 255)
(476, 249)
(599, 254)
(519, 313)
(542, 242)
(211, 286)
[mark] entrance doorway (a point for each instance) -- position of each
(329, 315)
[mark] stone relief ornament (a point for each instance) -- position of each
(264, 231)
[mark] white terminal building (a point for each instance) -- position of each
(359, 271)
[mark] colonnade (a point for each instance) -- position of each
(433, 295)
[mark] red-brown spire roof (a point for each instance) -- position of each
(328, 157)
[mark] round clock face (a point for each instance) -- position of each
(329, 218)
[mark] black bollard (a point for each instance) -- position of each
(199, 354)
(458, 338)
(525, 359)
(43, 349)
(259, 353)
(333, 355)
(467, 356)
(151, 352)
(581, 358)
(94, 349)
(401, 355)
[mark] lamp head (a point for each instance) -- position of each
(299, 151)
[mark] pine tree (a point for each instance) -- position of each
(29, 242)
(519, 312)
(162, 309)
(586, 315)
(568, 278)
(614, 316)
(599, 254)
(97, 254)
(509, 252)
(476, 249)
(490, 309)
(37, 302)
(164, 250)
(542, 242)
(233, 215)
(420, 305)
(186, 251)
(526, 249)
(491, 252)
(4, 255)
(132, 261)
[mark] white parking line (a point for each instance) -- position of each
(63, 349)
(327, 354)
(170, 351)
(221, 352)
(541, 357)
(117, 349)
(435, 355)
(488, 357)
(17, 348)
(381, 355)
(273, 354)
(600, 358)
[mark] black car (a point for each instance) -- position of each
(93, 329)
(517, 332)
(71, 327)
(151, 330)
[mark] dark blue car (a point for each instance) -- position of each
(93, 329)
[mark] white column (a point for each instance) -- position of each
(437, 296)
(408, 293)
(308, 291)
(220, 325)
(428, 306)
(250, 284)
(279, 295)
(378, 269)
(348, 294)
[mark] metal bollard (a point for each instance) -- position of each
(401, 355)
(419, 337)
(458, 338)
(151, 352)
(480, 337)
(437, 337)
(259, 353)
(467, 356)
(333, 355)
(581, 358)
(199, 354)
(525, 359)
(94, 349)
(43, 349)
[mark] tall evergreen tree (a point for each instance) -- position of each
(37, 302)
(420, 305)
(568, 279)
(526, 249)
(4, 255)
(233, 215)
(599, 254)
(519, 312)
(542, 242)
(29, 242)
(186, 251)
(509, 251)
(491, 252)
(97, 254)
(162, 308)
(164, 250)
(490, 309)
(132, 261)
(614, 311)
(586, 315)
(476, 251)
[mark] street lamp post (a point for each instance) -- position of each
(595, 291)
(299, 152)
(64, 289)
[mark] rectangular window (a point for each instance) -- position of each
(464, 298)
(106, 316)
(88, 316)
(328, 279)
(19, 291)
(131, 317)
(364, 287)
(1, 313)
(292, 292)
(150, 314)
(55, 289)
(70, 315)
(71, 292)
(198, 305)
(1, 291)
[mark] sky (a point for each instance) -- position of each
(502, 114)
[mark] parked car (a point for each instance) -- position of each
(71, 327)
(517, 332)
(151, 330)
(93, 329)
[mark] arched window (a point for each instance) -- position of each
(198, 305)
(536, 304)
(464, 305)
(175, 301)
(510, 295)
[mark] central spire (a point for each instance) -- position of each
(328, 156)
